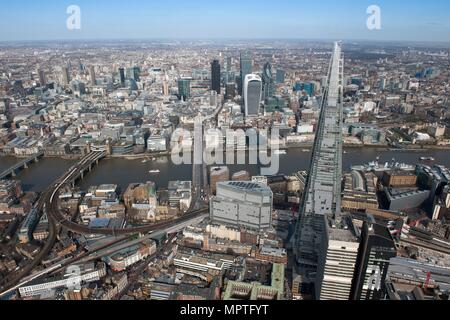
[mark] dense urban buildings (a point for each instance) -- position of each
(105, 176)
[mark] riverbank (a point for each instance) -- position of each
(303, 146)
(425, 148)
(118, 170)
(140, 156)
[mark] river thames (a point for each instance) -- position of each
(123, 172)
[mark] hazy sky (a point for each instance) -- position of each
(412, 20)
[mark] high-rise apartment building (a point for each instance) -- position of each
(336, 264)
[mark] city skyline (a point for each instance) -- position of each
(234, 151)
(286, 19)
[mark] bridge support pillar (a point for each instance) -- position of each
(82, 175)
(13, 173)
(25, 165)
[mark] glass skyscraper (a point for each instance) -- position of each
(215, 76)
(268, 83)
(184, 88)
(228, 77)
(252, 94)
(122, 77)
(375, 252)
(315, 239)
(246, 69)
(281, 75)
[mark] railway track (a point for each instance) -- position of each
(49, 202)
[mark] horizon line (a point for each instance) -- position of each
(181, 39)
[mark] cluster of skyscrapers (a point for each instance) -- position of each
(252, 87)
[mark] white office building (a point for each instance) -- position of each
(339, 267)
(242, 204)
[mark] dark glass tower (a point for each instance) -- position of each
(376, 250)
(215, 76)
(184, 88)
(122, 77)
(136, 74)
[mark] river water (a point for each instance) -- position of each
(123, 172)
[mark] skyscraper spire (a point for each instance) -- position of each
(322, 197)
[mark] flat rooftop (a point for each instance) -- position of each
(245, 186)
